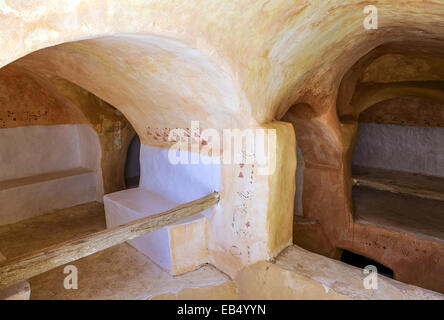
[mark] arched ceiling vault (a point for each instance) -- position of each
(269, 55)
(394, 70)
(155, 82)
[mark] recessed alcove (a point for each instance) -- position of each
(55, 161)
(46, 167)
(360, 261)
(164, 185)
(398, 167)
(374, 184)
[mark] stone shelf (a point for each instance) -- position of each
(418, 185)
(423, 218)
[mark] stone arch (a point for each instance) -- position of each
(329, 200)
(160, 84)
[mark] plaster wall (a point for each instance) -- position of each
(28, 98)
(34, 150)
(179, 182)
(48, 167)
(402, 148)
(90, 152)
(298, 209)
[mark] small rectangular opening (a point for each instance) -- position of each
(362, 261)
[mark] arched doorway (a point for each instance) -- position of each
(71, 78)
(387, 121)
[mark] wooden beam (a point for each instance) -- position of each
(34, 263)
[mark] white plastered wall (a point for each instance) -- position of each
(180, 182)
(43, 168)
(181, 246)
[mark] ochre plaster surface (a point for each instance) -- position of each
(406, 111)
(48, 167)
(327, 145)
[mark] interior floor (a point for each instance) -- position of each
(120, 272)
(400, 212)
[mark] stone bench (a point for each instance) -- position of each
(177, 248)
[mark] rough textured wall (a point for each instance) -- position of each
(180, 78)
(28, 98)
(394, 249)
(403, 134)
(417, 66)
(407, 111)
(403, 148)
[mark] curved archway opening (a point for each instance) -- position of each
(391, 119)
(316, 151)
